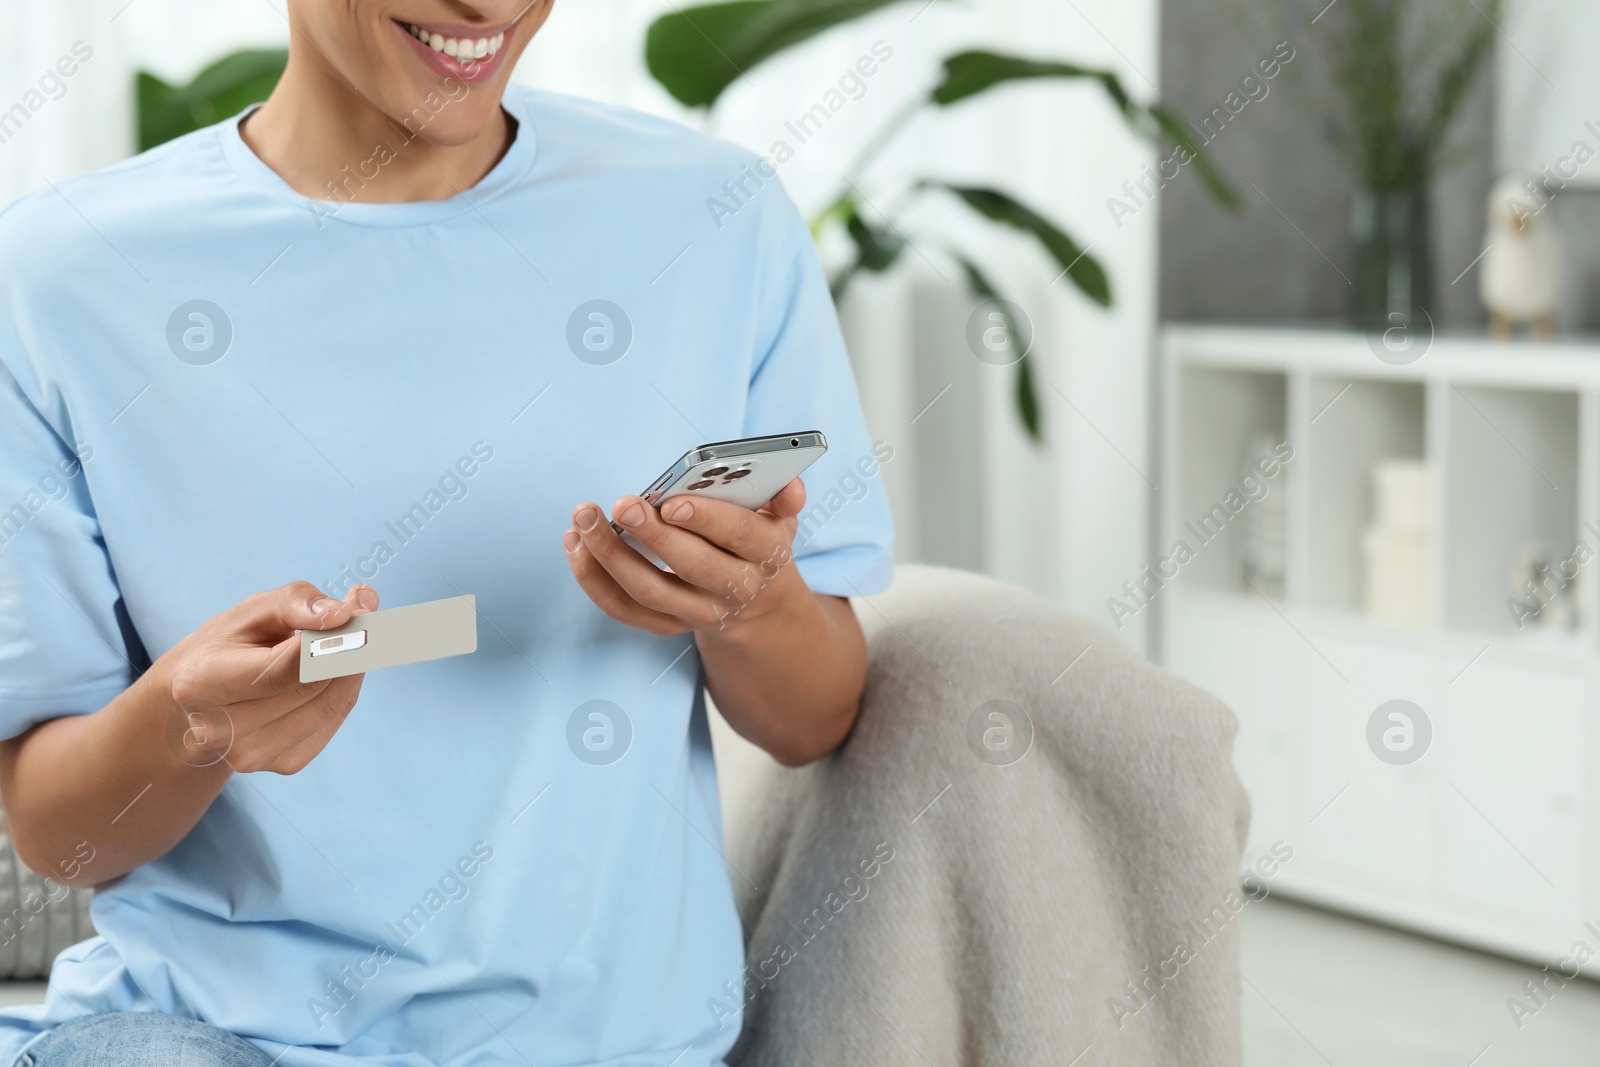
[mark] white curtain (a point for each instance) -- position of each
(1068, 519)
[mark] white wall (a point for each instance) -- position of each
(1068, 520)
(1546, 81)
(91, 124)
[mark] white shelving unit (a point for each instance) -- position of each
(1492, 838)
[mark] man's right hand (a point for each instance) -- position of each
(235, 681)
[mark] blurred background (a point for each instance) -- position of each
(1258, 332)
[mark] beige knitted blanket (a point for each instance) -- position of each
(950, 890)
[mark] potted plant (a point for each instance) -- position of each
(1400, 70)
(696, 53)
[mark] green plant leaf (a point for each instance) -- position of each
(967, 74)
(1027, 400)
(1084, 270)
(1457, 78)
(220, 91)
(877, 248)
(1173, 130)
(697, 52)
(841, 208)
(970, 73)
(1024, 395)
(838, 211)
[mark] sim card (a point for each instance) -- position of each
(391, 638)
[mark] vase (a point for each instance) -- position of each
(1393, 271)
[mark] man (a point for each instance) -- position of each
(386, 330)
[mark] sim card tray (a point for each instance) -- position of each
(332, 646)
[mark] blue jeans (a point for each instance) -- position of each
(141, 1039)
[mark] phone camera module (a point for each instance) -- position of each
(712, 472)
(704, 483)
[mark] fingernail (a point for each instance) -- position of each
(683, 513)
(571, 540)
(588, 518)
(633, 515)
(323, 606)
(367, 598)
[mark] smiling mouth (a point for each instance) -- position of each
(462, 48)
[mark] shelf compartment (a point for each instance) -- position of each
(1511, 479)
(1221, 412)
(1354, 424)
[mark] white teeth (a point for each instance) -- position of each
(463, 48)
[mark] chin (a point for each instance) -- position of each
(446, 111)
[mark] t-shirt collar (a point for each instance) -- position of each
(505, 174)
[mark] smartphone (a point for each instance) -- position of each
(748, 472)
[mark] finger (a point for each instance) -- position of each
(295, 758)
(271, 615)
(256, 711)
(280, 671)
(789, 501)
(692, 558)
(362, 598)
(638, 577)
(222, 725)
(221, 673)
(609, 596)
(750, 535)
(259, 711)
(262, 748)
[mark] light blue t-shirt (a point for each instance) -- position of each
(211, 386)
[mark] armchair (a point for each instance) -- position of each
(953, 887)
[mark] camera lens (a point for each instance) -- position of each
(794, 442)
(712, 472)
(736, 474)
(704, 483)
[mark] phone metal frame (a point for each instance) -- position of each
(735, 450)
(727, 450)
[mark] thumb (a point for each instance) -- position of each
(275, 614)
(789, 500)
(362, 599)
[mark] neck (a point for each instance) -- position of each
(330, 143)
